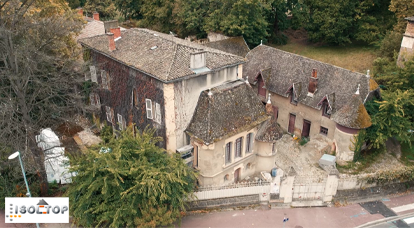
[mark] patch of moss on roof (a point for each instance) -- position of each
(353, 114)
(373, 85)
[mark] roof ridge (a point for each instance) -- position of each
(304, 57)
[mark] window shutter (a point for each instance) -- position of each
(148, 104)
(98, 99)
(103, 78)
(108, 81)
(157, 113)
(108, 114)
(93, 74)
(120, 122)
(87, 77)
(92, 99)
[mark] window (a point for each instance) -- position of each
(325, 109)
(148, 105)
(94, 99)
(248, 166)
(121, 122)
(157, 113)
(134, 98)
(324, 131)
(109, 114)
(106, 82)
(249, 142)
(92, 69)
(293, 99)
(228, 153)
(274, 148)
(237, 151)
(275, 112)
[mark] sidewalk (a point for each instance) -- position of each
(317, 217)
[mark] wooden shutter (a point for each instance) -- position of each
(157, 113)
(120, 122)
(108, 114)
(103, 78)
(93, 74)
(148, 104)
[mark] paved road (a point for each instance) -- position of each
(320, 217)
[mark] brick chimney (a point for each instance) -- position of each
(80, 11)
(96, 16)
(111, 41)
(313, 83)
(116, 32)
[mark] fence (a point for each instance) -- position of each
(309, 188)
(233, 190)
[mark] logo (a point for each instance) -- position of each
(37, 210)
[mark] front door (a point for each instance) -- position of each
(291, 127)
(237, 175)
(306, 128)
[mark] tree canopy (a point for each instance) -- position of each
(129, 181)
(38, 76)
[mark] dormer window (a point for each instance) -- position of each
(326, 111)
(293, 98)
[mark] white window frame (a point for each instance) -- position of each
(121, 122)
(148, 106)
(108, 114)
(92, 69)
(157, 113)
(95, 99)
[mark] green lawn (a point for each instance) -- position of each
(352, 57)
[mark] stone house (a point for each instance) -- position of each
(153, 79)
(232, 134)
(310, 97)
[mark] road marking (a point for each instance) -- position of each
(409, 220)
(403, 208)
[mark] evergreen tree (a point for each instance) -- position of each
(129, 182)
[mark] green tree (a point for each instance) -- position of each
(402, 10)
(130, 9)
(190, 17)
(158, 15)
(242, 17)
(38, 76)
(129, 182)
(105, 8)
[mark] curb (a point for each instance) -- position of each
(386, 220)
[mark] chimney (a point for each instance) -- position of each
(116, 32)
(111, 41)
(198, 60)
(269, 108)
(80, 11)
(96, 16)
(313, 83)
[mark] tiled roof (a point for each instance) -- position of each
(282, 70)
(232, 108)
(353, 114)
(269, 131)
(92, 28)
(160, 55)
(234, 45)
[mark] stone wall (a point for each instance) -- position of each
(224, 202)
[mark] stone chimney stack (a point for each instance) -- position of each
(96, 16)
(111, 41)
(407, 44)
(80, 11)
(116, 32)
(198, 60)
(313, 83)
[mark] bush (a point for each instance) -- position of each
(390, 45)
(135, 183)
